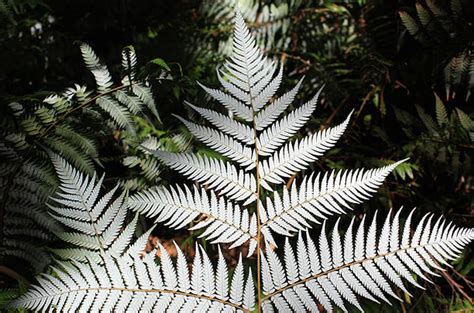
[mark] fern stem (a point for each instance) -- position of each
(259, 225)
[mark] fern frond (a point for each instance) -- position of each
(270, 114)
(119, 114)
(248, 75)
(133, 103)
(410, 23)
(295, 156)
(441, 114)
(226, 124)
(232, 104)
(273, 137)
(364, 265)
(320, 197)
(85, 143)
(146, 96)
(216, 174)
(135, 285)
(466, 122)
(96, 222)
(129, 64)
(99, 70)
(179, 206)
(223, 144)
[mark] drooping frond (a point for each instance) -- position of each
(276, 135)
(96, 222)
(317, 198)
(295, 156)
(179, 206)
(223, 144)
(140, 285)
(364, 264)
(216, 174)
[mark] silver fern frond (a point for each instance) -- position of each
(101, 74)
(139, 284)
(317, 198)
(334, 271)
(97, 222)
(215, 174)
(296, 156)
(178, 206)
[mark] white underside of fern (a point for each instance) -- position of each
(244, 201)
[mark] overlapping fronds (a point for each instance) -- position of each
(254, 138)
(364, 264)
(439, 28)
(57, 124)
(140, 285)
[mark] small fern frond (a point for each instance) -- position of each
(226, 124)
(146, 96)
(441, 114)
(234, 150)
(318, 198)
(119, 114)
(215, 174)
(133, 103)
(423, 14)
(410, 23)
(136, 285)
(295, 156)
(233, 105)
(129, 64)
(270, 114)
(279, 133)
(99, 70)
(179, 206)
(97, 222)
(363, 265)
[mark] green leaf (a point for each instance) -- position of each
(441, 114)
(161, 63)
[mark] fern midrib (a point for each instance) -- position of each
(348, 265)
(257, 192)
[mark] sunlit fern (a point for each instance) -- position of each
(229, 206)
